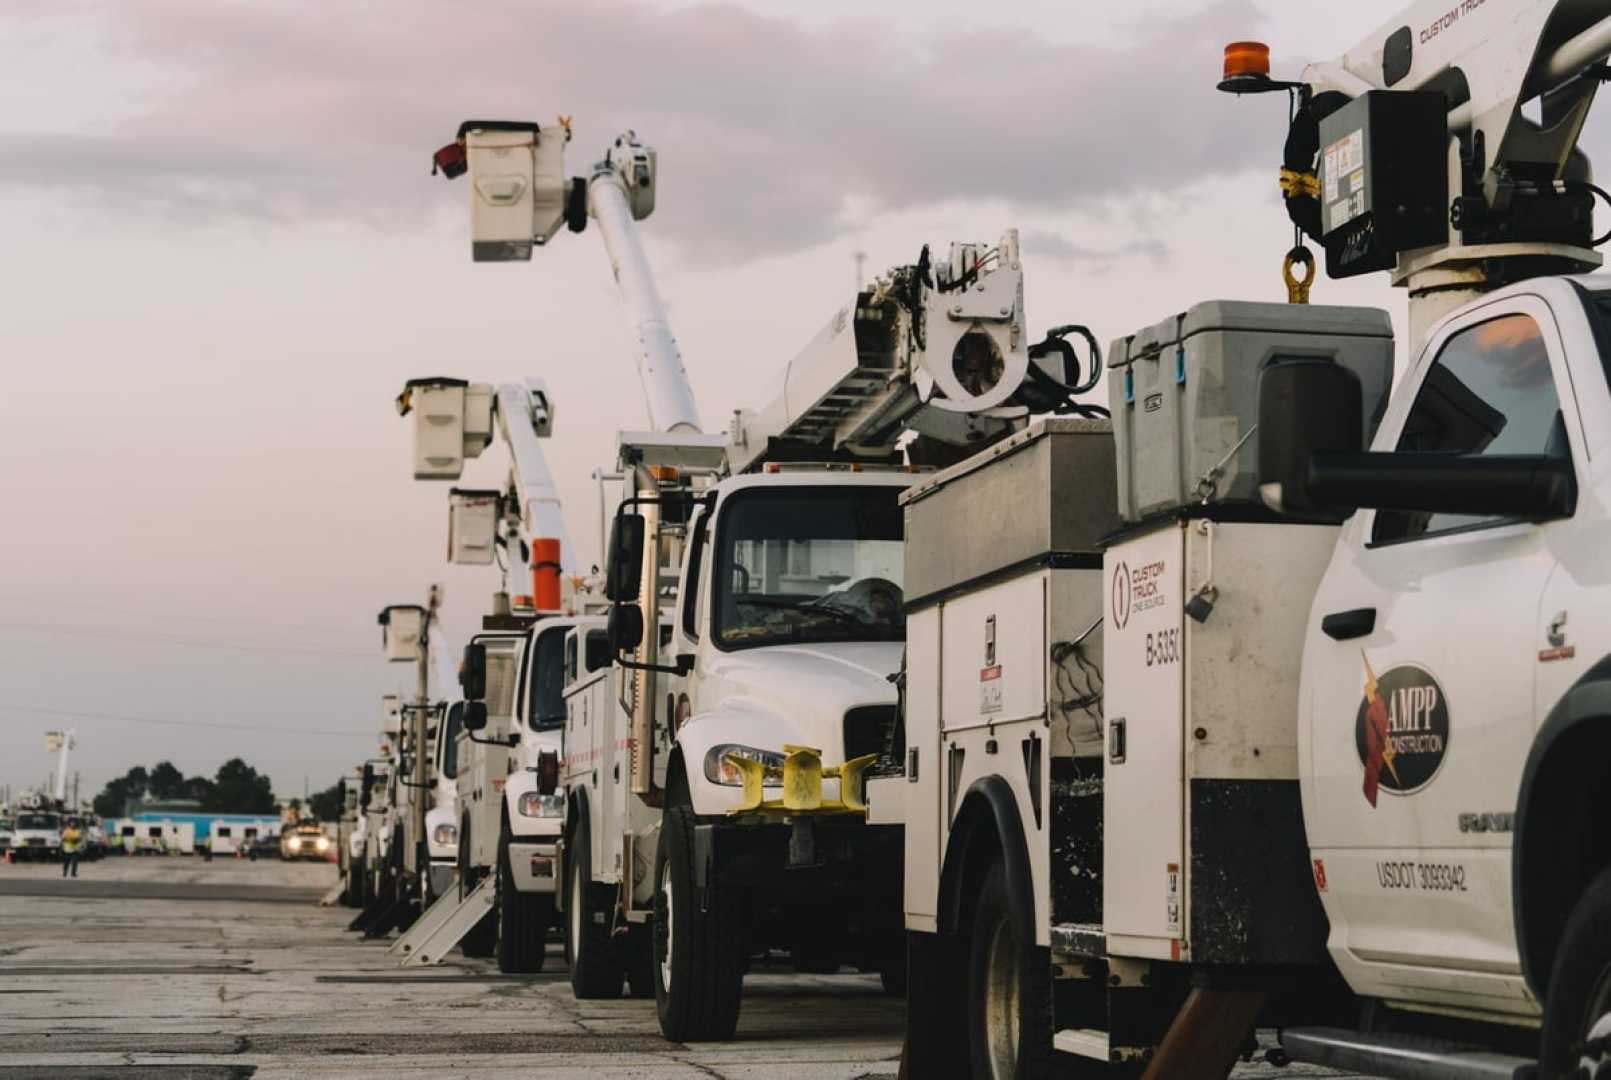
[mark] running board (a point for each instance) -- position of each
(430, 939)
(1086, 1043)
(1401, 1057)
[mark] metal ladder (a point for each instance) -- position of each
(430, 939)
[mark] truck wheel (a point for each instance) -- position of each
(1577, 1008)
(482, 940)
(1009, 999)
(698, 951)
(523, 919)
(595, 972)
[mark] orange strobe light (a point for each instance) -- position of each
(1247, 68)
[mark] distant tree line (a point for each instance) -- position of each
(236, 788)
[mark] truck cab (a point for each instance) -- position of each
(37, 835)
(1451, 748)
(511, 810)
(781, 591)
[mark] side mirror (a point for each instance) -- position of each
(1306, 405)
(473, 672)
(623, 578)
(547, 772)
(474, 716)
(625, 628)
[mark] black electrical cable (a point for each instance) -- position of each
(1601, 192)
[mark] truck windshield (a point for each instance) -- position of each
(809, 564)
(37, 821)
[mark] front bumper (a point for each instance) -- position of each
(811, 860)
(442, 873)
(534, 865)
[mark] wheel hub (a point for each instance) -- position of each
(1001, 1005)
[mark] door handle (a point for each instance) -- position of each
(1342, 625)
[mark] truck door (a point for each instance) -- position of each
(1418, 678)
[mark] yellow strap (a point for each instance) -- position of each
(1295, 183)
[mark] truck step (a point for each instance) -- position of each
(1403, 1057)
(1085, 1043)
(1080, 941)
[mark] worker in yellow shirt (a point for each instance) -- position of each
(72, 843)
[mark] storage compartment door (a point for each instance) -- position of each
(1143, 828)
(924, 821)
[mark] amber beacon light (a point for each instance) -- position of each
(1247, 69)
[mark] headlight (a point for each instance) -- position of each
(534, 804)
(445, 834)
(295, 843)
(323, 843)
(718, 770)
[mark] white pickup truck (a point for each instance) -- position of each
(1337, 768)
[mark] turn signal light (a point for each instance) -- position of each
(666, 474)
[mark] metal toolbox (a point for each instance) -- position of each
(998, 511)
(1184, 393)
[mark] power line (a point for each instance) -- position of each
(167, 616)
(73, 713)
(196, 643)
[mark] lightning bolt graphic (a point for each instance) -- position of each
(1378, 747)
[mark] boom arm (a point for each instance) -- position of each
(937, 350)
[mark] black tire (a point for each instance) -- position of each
(482, 940)
(523, 918)
(1579, 985)
(595, 969)
(698, 950)
(1004, 977)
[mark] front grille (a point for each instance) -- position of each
(867, 730)
(36, 841)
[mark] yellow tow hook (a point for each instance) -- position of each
(803, 774)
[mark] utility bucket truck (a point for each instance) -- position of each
(1324, 746)
(714, 771)
(498, 814)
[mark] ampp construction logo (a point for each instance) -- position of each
(1401, 730)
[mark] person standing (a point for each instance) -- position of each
(72, 841)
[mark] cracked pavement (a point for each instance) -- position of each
(173, 967)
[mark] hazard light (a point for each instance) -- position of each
(1247, 69)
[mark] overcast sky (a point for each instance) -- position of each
(224, 253)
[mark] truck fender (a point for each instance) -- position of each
(1560, 843)
(986, 823)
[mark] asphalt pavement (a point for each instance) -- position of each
(176, 967)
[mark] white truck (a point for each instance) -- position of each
(942, 349)
(1313, 738)
(511, 811)
(506, 814)
(37, 835)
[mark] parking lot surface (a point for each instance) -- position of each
(175, 967)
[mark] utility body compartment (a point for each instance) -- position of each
(1204, 857)
(1184, 394)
